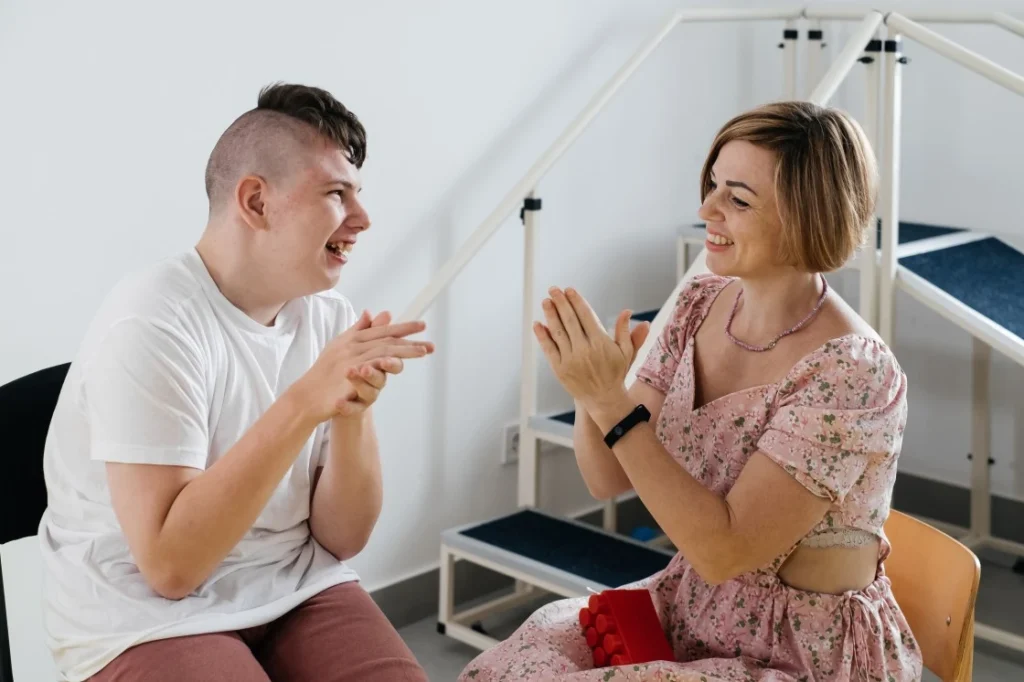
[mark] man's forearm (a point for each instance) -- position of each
(214, 510)
(348, 495)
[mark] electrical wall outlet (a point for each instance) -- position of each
(510, 444)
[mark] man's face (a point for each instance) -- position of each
(314, 219)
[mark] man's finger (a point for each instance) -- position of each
(398, 331)
(382, 319)
(567, 314)
(412, 350)
(367, 374)
(389, 365)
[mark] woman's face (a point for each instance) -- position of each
(741, 212)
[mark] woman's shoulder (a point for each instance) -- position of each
(697, 295)
(856, 370)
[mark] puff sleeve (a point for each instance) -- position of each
(840, 410)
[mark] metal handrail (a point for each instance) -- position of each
(514, 199)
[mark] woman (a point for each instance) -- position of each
(776, 419)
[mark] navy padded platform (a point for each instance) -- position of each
(645, 315)
(915, 232)
(566, 417)
(589, 553)
(985, 275)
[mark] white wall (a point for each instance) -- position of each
(112, 107)
(110, 110)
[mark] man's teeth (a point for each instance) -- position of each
(718, 239)
(340, 248)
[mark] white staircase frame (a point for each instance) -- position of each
(879, 272)
(985, 334)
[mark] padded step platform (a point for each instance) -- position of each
(986, 275)
(554, 552)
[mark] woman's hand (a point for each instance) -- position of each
(589, 363)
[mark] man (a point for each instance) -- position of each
(212, 461)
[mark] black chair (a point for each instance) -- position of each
(26, 407)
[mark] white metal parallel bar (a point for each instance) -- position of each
(957, 53)
(938, 243)
(981, 500)
(1000, 637)
(852, 51)
(529, 481)
(547, 437)
(868, 261)
(446, 600)
(609, 515)
(509, 601)
(976, 324)
(890, 192)
(1012, 24)
(814, 47)
(854, 12)
(469, 636)
(789, 62)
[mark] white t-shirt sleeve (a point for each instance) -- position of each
(345, 319)
(145, 397)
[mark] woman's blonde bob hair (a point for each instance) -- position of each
(826, 179)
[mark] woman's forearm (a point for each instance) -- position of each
(600, 469)
(695, 519)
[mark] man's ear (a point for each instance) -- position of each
(250, 198)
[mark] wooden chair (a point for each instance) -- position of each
(935, 581)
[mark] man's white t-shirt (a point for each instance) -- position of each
(170, 372)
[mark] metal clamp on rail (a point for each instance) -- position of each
(529, 204)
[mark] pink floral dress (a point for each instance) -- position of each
(836, 424)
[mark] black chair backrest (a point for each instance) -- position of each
(26, 407)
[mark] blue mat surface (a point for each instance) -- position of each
(985, 275)
(566, 417)
(580, 551)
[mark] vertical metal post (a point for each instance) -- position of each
(446, 600)
(788, 45)
(890, 187)
(528, 483)
(869, 257)
(815, 44)
(981, 500)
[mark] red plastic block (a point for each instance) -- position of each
(622, 627)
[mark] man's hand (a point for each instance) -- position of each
(353, 368)
(368, 380)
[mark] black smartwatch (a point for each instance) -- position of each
(638, 415)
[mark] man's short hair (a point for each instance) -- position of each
(263, 140)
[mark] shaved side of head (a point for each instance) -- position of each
(273, 140)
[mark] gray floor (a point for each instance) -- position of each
(1000, 604)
